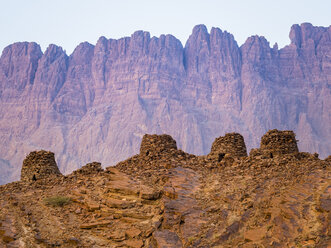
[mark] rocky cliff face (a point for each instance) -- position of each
(97, 103)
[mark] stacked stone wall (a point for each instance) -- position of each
(39, 165)
(232, 144)
(90, 168)
(154, 145)
(278, 142)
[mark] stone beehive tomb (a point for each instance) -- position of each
(277, 142)
(156, 152)
(231, 143)
(39, 165)
(155, 145)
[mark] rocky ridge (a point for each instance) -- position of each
(164, 197)
(97, 103)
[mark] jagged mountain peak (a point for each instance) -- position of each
(97, 103)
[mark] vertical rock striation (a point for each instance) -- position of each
(97, 103)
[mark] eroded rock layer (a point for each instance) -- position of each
(174, 199)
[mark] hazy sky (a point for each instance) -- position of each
(69, 22)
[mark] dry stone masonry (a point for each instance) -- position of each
(164, 197)
(278, 142)
(153, 144)
(174, 76)
(89, 168)
(39, 165)
(232, 144)
(157, 153)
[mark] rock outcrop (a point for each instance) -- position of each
(39, 165)
(90, 168)
(193, 201)
(97, 103)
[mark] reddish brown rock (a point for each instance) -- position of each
(95, 224)
(167, 239)
(133, 232)
(134, 243)
(175, 199)
(90, 168)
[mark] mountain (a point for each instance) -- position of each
(96, 104)
(164, 197)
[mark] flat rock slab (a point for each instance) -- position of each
(179, 213)
(167, 239)
(95, 224)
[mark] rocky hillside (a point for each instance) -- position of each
(164, 197)
(97, 103)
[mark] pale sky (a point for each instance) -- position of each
(69, 22)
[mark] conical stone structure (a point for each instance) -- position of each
(154, 145)
(277, 142)
(231, 143)
(39, 165)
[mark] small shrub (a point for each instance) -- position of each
(191, 239)
(57, 201)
